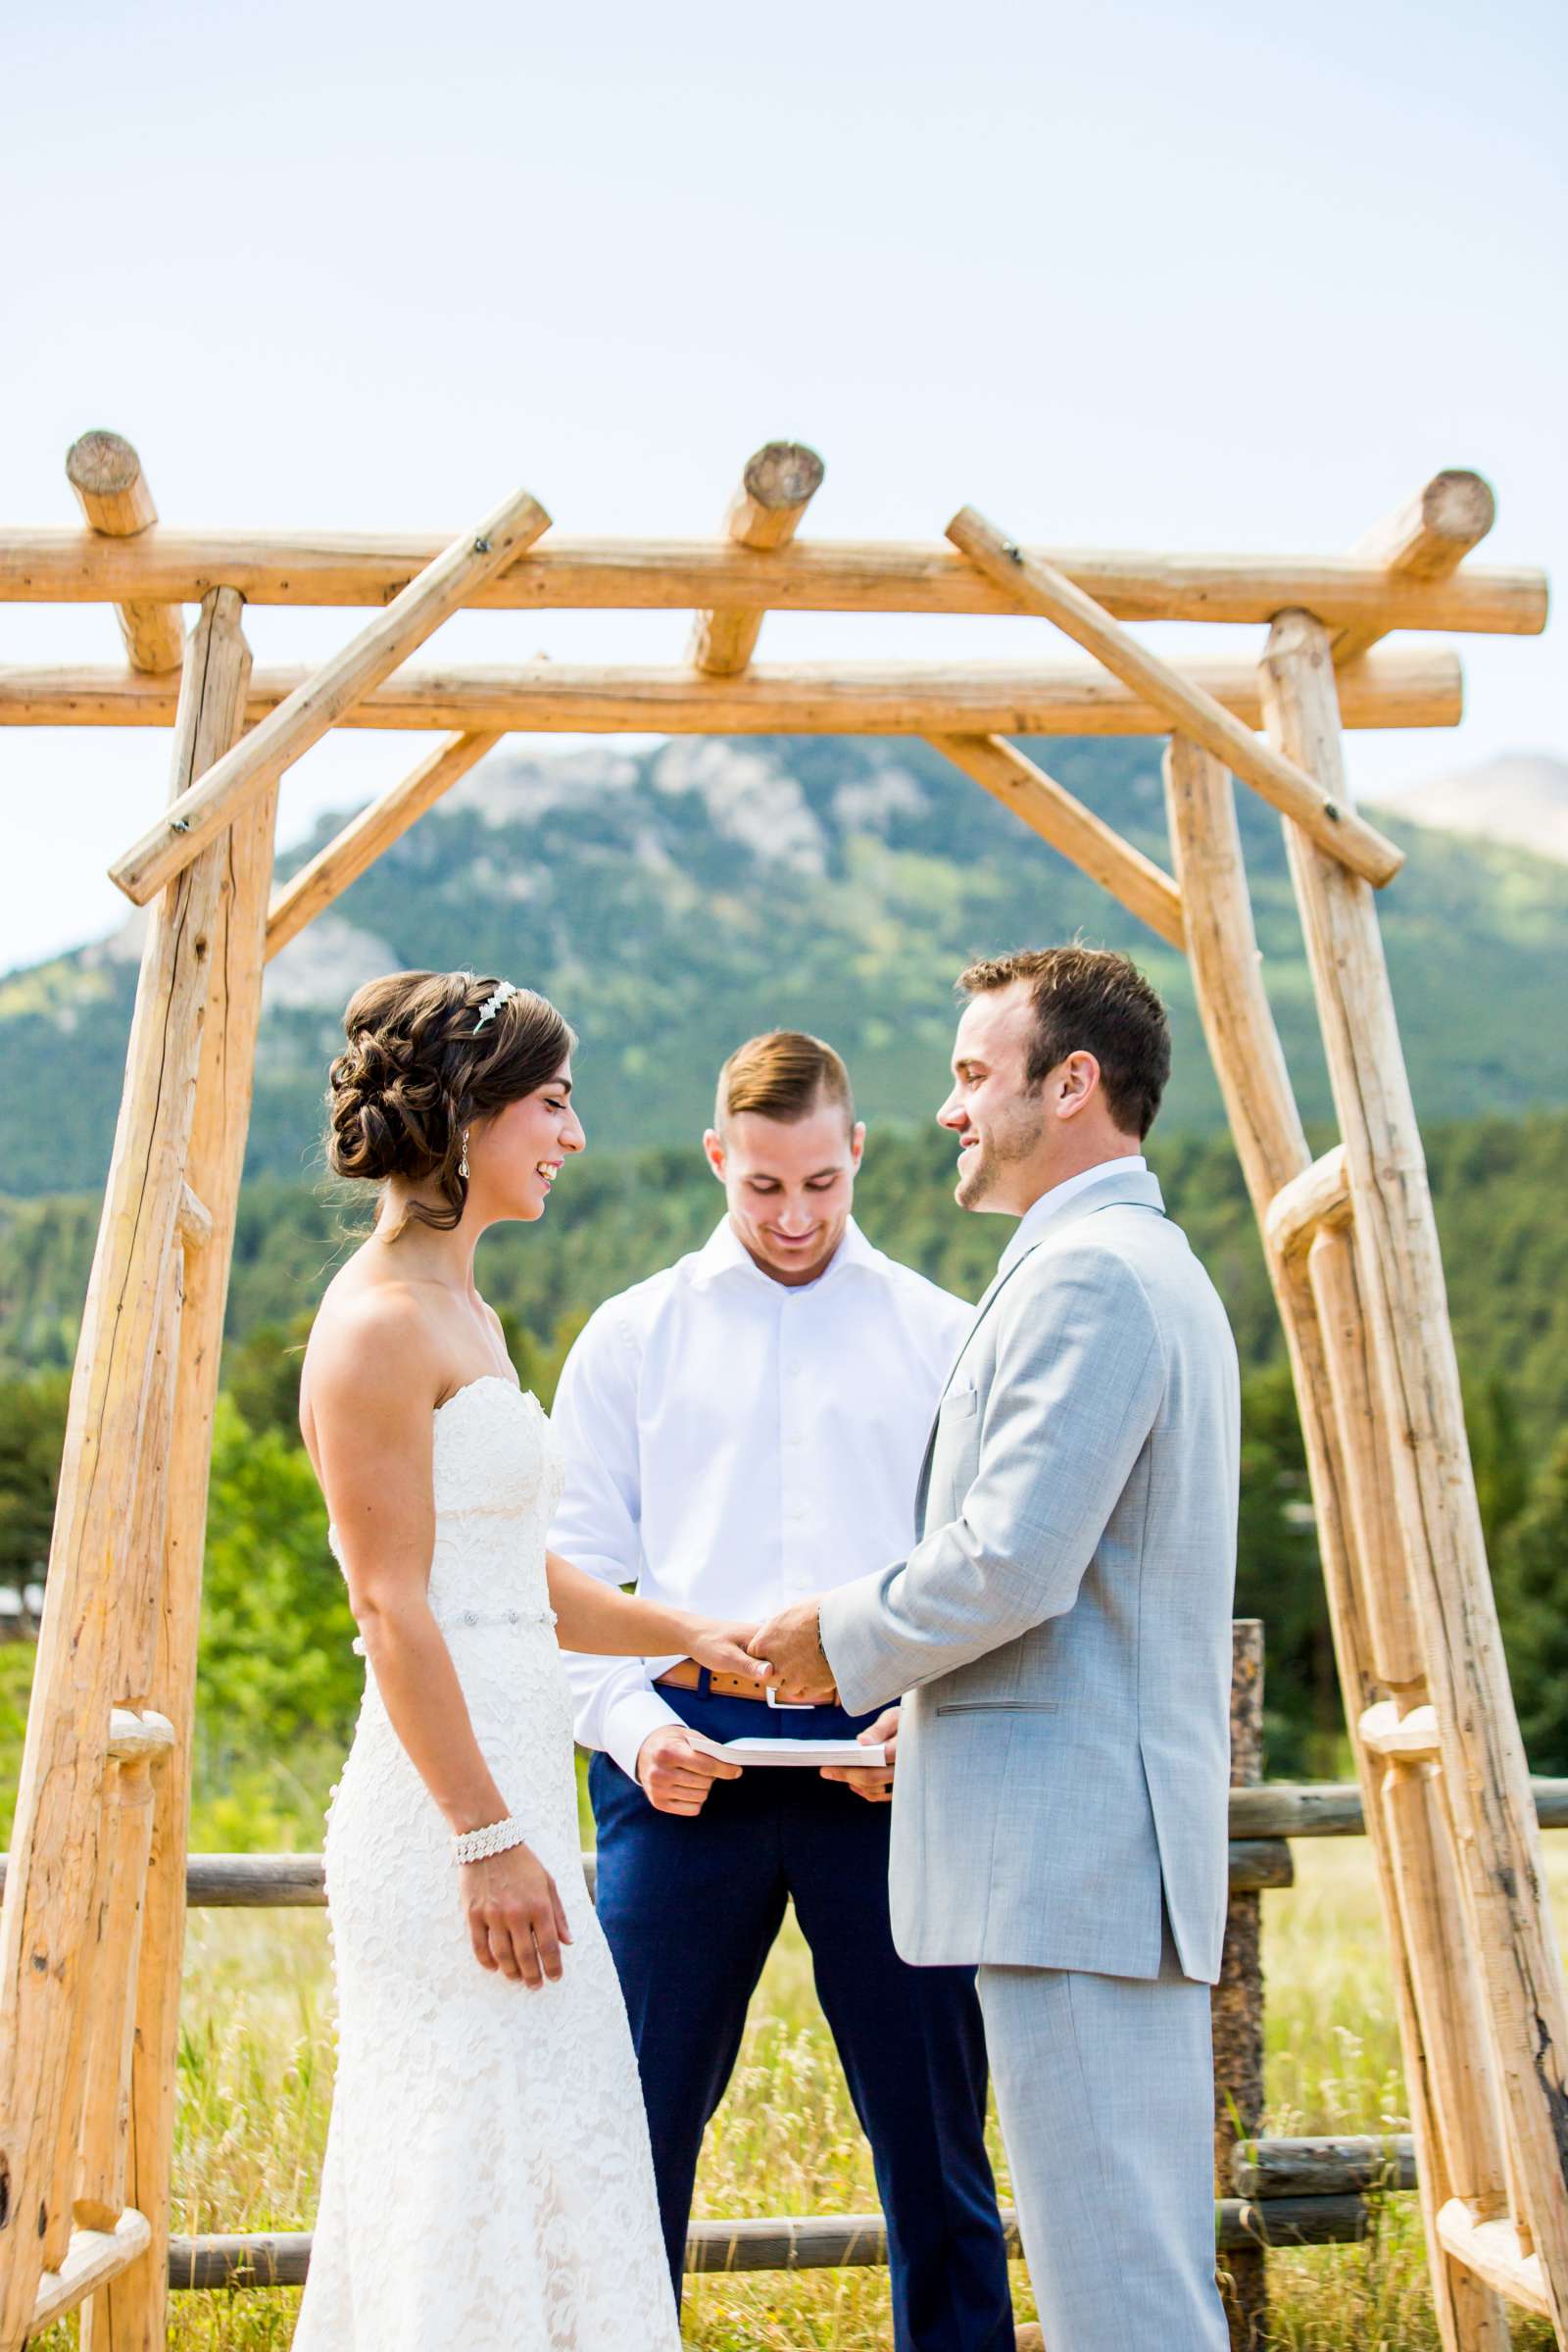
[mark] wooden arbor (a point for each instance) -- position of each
(90, 1944)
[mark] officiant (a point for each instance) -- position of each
(741, 1429)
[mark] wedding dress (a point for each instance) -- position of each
(487, 2181)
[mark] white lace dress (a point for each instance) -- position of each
(487, 2181)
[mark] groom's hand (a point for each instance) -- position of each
(674, 1776)
(873, 1781)
(791, 1645)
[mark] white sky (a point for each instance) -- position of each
(1128, 276)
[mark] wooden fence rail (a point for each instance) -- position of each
(781, 2241)
(295, 1882)
(1263, 1821)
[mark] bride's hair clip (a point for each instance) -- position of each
(503, 992)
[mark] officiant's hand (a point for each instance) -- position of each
(873, 1781)
(791, 1645)
(674, 1776)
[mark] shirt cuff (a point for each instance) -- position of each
(629, 1721)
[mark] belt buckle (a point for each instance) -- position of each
(787, 1706)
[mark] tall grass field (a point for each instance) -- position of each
(255, 2083)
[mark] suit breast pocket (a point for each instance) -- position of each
(956, 1449)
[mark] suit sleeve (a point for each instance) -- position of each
(1077, 1387)
(598, 1528)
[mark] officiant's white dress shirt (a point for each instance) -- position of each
(734, 1443)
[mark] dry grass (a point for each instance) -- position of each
(256, 2084)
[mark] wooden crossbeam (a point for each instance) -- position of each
(303, 716)
(1426, 539)
(1061, 818)
(112, 491)
(817, 575)
(362, 839)
(1041, 588)
(778, 485)
(1397, 686)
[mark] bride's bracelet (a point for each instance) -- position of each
(475, 1845)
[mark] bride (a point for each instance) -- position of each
(487, 2180)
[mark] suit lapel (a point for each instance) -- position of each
(1133, 1189)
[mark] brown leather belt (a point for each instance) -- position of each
(688, 1676)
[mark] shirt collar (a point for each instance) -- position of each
(1051, 1204)
(724, 1252)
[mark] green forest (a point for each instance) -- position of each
(279, 1683)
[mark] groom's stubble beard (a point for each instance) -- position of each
(1009, 1139)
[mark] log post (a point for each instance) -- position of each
(1425, 540)
(100, 2193)
(1485, 1776)
(112, 491)
(1238, 2001)
(778, 485)
(1075, 832)
(142, 1570)
(45, 1925)
(1284, 783)
(128, 2314)
(245, 771)
(1249, 1065)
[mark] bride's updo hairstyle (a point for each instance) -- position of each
(417, 1070)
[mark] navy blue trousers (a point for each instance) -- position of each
(691, 1909)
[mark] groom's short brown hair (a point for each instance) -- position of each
(1089, 1001)
(783, 1074)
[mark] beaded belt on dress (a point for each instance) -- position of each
(468, 1617)
(477, 1617)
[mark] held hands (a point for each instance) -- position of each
(873, 1781)
(516, 1920)
(797, 1664)
(725, 1648)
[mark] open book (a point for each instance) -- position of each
(816, 1752)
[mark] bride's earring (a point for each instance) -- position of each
(463, 1164)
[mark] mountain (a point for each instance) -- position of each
(676, 899)
(1521, 799)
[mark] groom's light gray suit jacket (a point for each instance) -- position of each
(1062, 1628)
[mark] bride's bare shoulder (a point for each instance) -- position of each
(372, 1331)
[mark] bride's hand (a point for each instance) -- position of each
(722, 1648)
(516, 1920)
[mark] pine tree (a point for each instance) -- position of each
(1532, 1587)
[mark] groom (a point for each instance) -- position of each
(1062, 1633)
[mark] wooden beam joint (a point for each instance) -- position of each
(106, 474)
(1189, 710)
(776, 488)
(1318, 1197)
(1426, 540)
